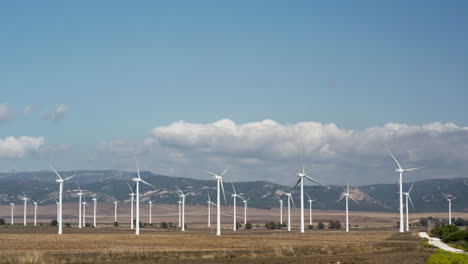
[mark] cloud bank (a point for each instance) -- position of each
(5, 113)
(55, 115)
(19, 147)
(269, 150)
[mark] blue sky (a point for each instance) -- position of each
(123, 68)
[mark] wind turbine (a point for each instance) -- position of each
(347, 195)
(115, 210)
(289, 209)
(180, 207)
(209, 202)
(95, 206)
(281, 211)
(400, 170)
(450, 199)
(60, 181)
(25, 199)
(12, 213)
(131, 205)
(137, 181)
(220, 185)
(80, 194)
(182, 198)
(245, 209)
(408, 197)
(234, 196)
(310, 208)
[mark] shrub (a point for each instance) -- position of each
(164, 225)
(334, 224)
(460, 222)
(279, 226)
(54, 223)
(457, 235)
(87, 225)
(257, 226)
(238, 225)
(68, 225)
(270, 225)
(444, 257)
(321, 225)
(116, 224)
(311, 227)
(444, 231)
(248, 226)
(2, 221)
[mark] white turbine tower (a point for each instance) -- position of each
(301, 176)
(290, 199)
(115, 210)
(234, 216)
(95, 206)
(25, 199)
(281, 211)
(408, 198)
(12, 214)
(137, 181)
(310, 208)
(58, 211)
(132, 195)
(347, 195)
(60, 181)
(182, 200)
(449, 200)
(180, 215)
(209, 202)
(35, 212)
(84, 212)
(245, 209)
(80, 194)
(220, 186)
(400, 170)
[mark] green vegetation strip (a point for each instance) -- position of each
(443, 257)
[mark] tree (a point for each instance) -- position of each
(337, 224)
(257, 226)
(116, 224)
(331, 224)
(248, 226)
(311, 227)
(2, 221)
(321, 225)
(460, 222)
(164, 225)
(67, 224)
(270, 225)
(238, 225)
(54, 223)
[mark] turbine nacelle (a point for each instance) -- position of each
(399, 170)
(136, 179)
(59, 180)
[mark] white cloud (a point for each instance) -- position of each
(5, 113)
(269, 150)
(56, 114)
(18, 147)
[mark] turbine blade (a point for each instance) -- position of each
(413, 169)
(292, 200)
(411, 188)
(396, 187)
(340, 198)
(212, 174)
(298, 181)
(78, 186)
(209, 199)
(138, 169)
(56, 173)
(393, 157)
(352, 198)
(68, 178)
(411, 201)
(302, 162)
(180, 190)
(233, 188)
(310, 179)
(446, 196)
(308, 196)
(131, 190)
(222, 188)
(454, 198)
(149, 184)
(224, 172)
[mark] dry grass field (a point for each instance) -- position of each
(375, 240)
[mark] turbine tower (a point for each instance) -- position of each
(115, 210)
(220, 186)
(95, 206)
(281, 211)
(137, 181)
(209, 202)
(150, 205)
(235, 196)
(301, 176)
(290, 199)
(310, 208)
(400, 171)
(60, 181)
(35, 212)
(80, 194)
(83, 224)
(408, 198)
(245, 210)
(347, 195)
(132, 195)
(25, 199)
(12, 214)
(180, 215)
(449, 199)
(182, 198)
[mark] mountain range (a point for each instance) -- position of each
(427, 195)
